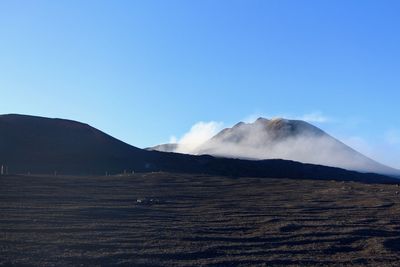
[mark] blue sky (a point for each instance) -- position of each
(144, 71)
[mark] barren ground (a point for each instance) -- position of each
(163, 219)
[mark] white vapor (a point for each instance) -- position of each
(386, 148)
(173, 140)
(309, 145)
(198, 134)
(250, 140)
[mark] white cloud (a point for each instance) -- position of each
(197, 135)
(173, 140)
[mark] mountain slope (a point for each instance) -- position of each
(36, 143)
(287, 139)
(31, 144)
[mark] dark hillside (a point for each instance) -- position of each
(30, 144)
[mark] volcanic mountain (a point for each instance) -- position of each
(37, 145)
(284, 139)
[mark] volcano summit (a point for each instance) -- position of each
(283, 139)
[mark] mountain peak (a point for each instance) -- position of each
(262, 120)
(240, 123)
(281, 138)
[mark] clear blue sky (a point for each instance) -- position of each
(145, 70)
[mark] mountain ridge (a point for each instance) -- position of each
(39, 145)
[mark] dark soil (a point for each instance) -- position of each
(163, 219)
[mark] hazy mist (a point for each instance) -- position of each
(278, 138)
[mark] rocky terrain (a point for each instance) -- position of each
(166, 219)
(71, 195)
